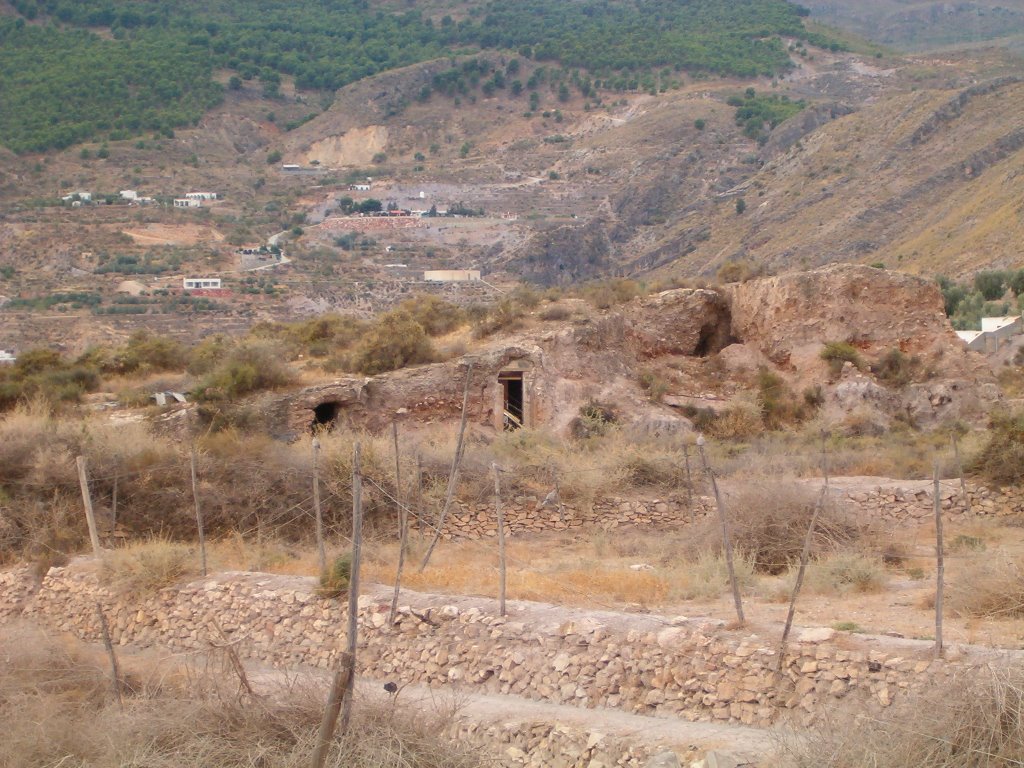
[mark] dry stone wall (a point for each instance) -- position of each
(689, 668)
(878, 501)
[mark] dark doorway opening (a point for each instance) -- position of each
(512, 399)
(325, 415)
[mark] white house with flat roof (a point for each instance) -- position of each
(451, 275)
(995, 333)
(201, 283)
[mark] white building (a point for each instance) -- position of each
(200, 195)
(360, 187)
(451, 275)
(184, 202)
(84, 197)
(201, 284)
(291, 167)
(129, 194)
(7, 357)
(995, 333)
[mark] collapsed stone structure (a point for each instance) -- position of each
(779, 323)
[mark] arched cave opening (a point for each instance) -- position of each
(325, 415)
(706, 340)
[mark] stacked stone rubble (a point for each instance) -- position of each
(692, 669)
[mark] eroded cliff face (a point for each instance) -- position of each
(713, 341)
(790, 318)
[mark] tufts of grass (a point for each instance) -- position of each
(149, 566)
(974, 720)
(992, 587)
(57, 709)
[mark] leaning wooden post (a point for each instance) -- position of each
(90, 517)
(403, 534)
(199, 511)
(689, 484)
(113, 505)
(558, 496)
(501, 540)
(940, 566)
(419, 495)
(726, 541)
(115, 675)
(453, 476)
(342, 676)
(805, 555)
(353, 587)
(960, 469)
(321, 550)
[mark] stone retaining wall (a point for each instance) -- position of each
(646, 664)
(887, 503)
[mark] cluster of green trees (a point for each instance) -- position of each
(758, 115)
(155, 74)
(59, 87)
(991, 293)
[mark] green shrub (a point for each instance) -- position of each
(1001, 458)
(897, 369)
(654, 384)
(335, 580)
(779, 405)
(394, 342)
(249, 367)
(607, 293)
(435, 315)
(43, 373)
(836, 353)
(503, 316)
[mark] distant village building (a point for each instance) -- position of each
(185, 202)
(200, 195)
(83, 197)
(291, 167)
(7, 357)
(360, 187)
(995, 333)
(451, 275)
(201, 283)
(129, 194)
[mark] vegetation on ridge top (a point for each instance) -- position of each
(156, 72)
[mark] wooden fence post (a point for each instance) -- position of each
(419, 495)
(353, 587)
(501, 540)
(805, 555)
(558, 496)
(940, 566)
(453, 476)
(321, 550)
(726, 541)
(113, 505)
(199, 511)
(90, 517)
(115, 674)
(342, 675)
(689, 484)
(960, 470)
(403, 524)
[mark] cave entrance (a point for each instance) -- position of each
(325, 415)
(511, 399)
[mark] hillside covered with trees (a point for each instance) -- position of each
(81, 69)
